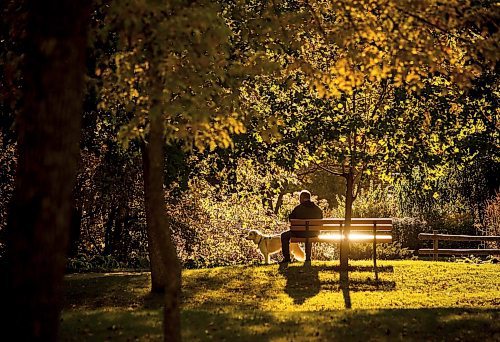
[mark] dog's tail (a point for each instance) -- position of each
(297, 252)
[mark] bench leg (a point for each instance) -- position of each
(339, 246)
(308, 250)
(375, 260)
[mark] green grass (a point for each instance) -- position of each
(413, 300)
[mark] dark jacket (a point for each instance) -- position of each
(306, 210)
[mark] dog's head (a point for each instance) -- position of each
(253, 235)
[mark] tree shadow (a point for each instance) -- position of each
(219, 324)
(425, 324)
(98, 290)
(380, 269)
(344, 286)
(358, 285)
(302, 282)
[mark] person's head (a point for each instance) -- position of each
(304, 196)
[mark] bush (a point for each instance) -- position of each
(492, 219)
(385, 251)
(374, 201)
(99, 263)
(406, 230)
(210, 229)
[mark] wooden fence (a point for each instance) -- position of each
(435, 251)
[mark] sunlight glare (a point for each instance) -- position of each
(352, 236)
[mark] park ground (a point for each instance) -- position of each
(412, 301)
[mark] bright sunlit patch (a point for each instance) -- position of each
(353, 236)
(329, 236)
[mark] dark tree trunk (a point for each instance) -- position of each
(48, 127)
(165, 267)
(349, 198)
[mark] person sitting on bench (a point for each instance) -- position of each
(305, 210)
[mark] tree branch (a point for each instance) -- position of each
(335, 173)
(431, 24)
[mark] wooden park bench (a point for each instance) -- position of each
(332, 230)
(435, 250)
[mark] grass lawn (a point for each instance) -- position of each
(413, 300)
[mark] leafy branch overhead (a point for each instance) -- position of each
(176, 60)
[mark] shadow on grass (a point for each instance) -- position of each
(380, 269)
(356, 285)
(116, 290)
(345, 287)
(353, 325)
(438, 324)
(302, 282)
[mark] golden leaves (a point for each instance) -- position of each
(216, 133)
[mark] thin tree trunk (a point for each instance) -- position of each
(108, 232)
(75, 231)
(165, 267)
(349, 198)
(48, 127)
(279, 201)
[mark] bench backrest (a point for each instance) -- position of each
(357, 224)
(361, 229)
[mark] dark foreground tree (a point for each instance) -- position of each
(48, 127)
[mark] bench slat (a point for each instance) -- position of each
(339, 221)
(380, 239)
(355, 227)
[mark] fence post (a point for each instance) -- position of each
(435, 245)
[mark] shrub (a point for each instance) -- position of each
(492, 219)
(374, 201)
(210, 228)
(406, 230)
(102, 263)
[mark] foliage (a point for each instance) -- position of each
(374, 200)
(492, 219)
(8, 160)
(475, 259)
(83, 263)
(402, 42)
(211, 222)
(406, 230)
(174, 60)
(385, 251)
(431, 300)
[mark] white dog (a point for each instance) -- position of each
(272, 244)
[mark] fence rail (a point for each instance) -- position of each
(435, 251)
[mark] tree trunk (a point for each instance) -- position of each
(165, 268)
(108, 232)
(48, 127)
(279, 201)
(349, 198)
